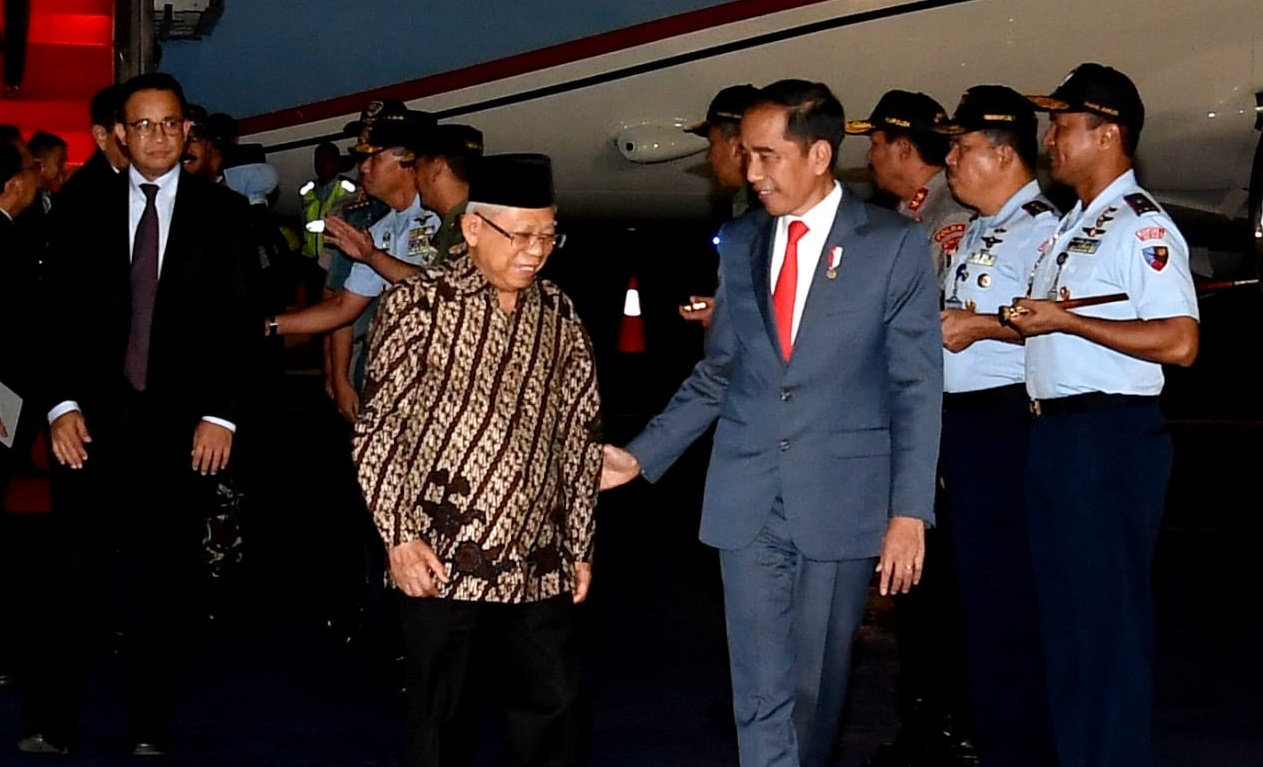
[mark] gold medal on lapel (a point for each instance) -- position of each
(835, 258)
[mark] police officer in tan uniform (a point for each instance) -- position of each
(908, 157)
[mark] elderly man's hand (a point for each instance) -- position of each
(582, 580)
(416, 569)
(346, 399)
(618, 467)
(902, 555)
(356, 243)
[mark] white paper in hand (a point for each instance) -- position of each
(10, 409)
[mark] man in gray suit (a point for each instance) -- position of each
(827, 389)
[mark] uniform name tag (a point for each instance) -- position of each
(1083, 245)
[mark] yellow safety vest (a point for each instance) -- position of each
(314, 209)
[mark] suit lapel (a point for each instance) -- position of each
(823, 291)
(182, 218)
(761, 275)
(120, 218)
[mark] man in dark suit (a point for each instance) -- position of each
(19, 190)
(109, 159)
(151, 333)
(824, 371)
(19, 183)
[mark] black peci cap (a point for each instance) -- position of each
(1099, 90)
(514, 181)
(900, 112)
(991, 106)
(727, 107)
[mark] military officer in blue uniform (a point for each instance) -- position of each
(386, 146)
(986, 421)
(1100, 452)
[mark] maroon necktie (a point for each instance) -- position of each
(144, 279)
(787, 289)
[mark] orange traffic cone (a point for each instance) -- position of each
(631, 334)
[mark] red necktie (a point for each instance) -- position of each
(787, 289)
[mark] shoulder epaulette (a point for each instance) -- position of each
(1035, 207)
(1140, 203)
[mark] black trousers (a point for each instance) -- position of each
(17, 22)
(128, 531)
(985, 437)
(1095, 491)
(527, 652)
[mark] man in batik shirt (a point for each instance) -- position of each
(478, 456)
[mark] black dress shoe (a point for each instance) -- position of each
(142, 748)
(36, 743)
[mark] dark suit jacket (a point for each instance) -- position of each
(19, 276)
(87, 183)
(205, 325)
(846, 433)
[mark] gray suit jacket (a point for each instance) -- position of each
(846, 433)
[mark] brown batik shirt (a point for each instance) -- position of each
(480, 432)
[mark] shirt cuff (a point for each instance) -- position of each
(61, 410)
(229, 425)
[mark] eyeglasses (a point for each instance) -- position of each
(524, 240)
(170, 126)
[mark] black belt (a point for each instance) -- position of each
(1083, 403)
(984, 399)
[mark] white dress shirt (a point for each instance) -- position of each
(164, 202)
(819, 221)
(167, 183)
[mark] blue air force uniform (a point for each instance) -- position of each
(986, 427)
(1099, 461)
(1100, 451)
(1122, 243)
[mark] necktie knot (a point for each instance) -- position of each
(797, 230)
(150, 190)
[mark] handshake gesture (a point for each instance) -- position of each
(618, 467)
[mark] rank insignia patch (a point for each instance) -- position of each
(918, 199)
(1141, 204)
(1035, 207)
(981, 258)
(1156, 257)
(1083, 245)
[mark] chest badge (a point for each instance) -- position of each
(1083, 245)
(835, 259)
